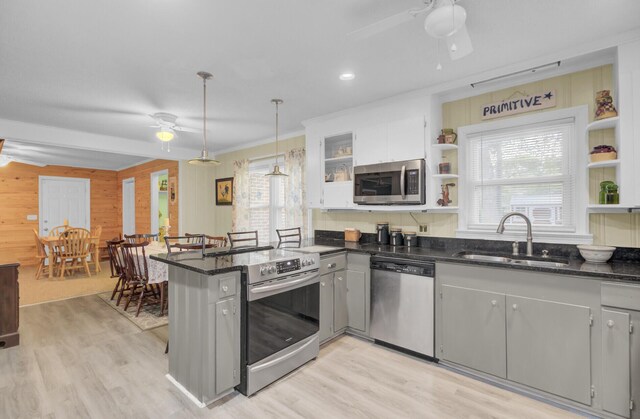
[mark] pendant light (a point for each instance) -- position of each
(276, 167)
(204, 159)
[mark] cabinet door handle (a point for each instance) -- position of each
(331, 265)
(515, 307)
(610, 323)
(225, 288)
(339, 278)
(494, 303)
(225, 311)
(322, 284)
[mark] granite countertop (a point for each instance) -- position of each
(624, 266)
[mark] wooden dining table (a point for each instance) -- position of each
(52, 241)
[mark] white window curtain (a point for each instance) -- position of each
(529, 169)
(295, 194)
(240, 213)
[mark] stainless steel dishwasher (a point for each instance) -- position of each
(402, 303)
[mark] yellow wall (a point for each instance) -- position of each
(572, 90)
(198, 184)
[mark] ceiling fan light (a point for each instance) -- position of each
(445, 21)
(165, 134)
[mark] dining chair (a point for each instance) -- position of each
(116, 261)
(243, 238)
(96, 232)
(216, 241)
(287, 235)
(57, 231)
(139, 238)
(137, 274)
(182, 243)
(194, 238)
(41, 256)
(73, 250)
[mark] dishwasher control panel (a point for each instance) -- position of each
(406, 267)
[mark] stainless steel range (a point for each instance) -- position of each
(281, 312)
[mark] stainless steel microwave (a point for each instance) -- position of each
(393, 183)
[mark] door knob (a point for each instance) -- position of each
(515, 306)
(610, 323)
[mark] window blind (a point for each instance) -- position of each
(528, 169)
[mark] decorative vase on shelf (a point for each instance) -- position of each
(604, 105)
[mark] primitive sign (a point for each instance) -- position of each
(515, 106)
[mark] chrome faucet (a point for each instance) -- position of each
(500, 229)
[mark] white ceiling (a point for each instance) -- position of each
(102, 67)
(43, 155)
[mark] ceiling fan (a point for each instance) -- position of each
(166, 126)
(444, 20)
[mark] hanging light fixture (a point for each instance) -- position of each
(165, 134)
(276, 167)
(204, 159)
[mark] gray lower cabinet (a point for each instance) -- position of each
(548, 346)
(204, 332)
(473, 329)
(226, 336)
(326, 306)
(345, 282)
(340, 310)
(616, 362)
(357, 300)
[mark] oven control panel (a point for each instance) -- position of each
(288, 266)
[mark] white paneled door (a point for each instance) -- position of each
(129, 206)
(61, 199)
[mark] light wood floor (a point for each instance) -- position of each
(46, 289)
(79, 359)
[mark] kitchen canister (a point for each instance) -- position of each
(410, 238)
(396, 238)
(382, 233)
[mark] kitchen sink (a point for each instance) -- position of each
(552, 263)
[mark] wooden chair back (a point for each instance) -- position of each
(57, 231)
(243, 238)
(41, 251)
(287, 235)
(140, 238)
(135, 262)
(194, 238)
(216, 241)
(116, 257)
(74, 243)
(182, 243)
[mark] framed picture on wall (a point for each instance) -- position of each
(224, 191)
(173, 193)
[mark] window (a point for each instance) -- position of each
(267, 200)
(526, 164)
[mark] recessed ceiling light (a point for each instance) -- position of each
(347, 76)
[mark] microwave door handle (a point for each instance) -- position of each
(402, 181)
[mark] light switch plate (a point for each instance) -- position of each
(32, 217)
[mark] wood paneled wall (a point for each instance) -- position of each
(19, 198)
(142, 175)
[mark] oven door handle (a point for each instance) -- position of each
(285, 284)
(402, 181)
(284, 357)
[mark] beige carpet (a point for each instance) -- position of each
(76, 285)
(149, 317)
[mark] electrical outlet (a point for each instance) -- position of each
(423, 228)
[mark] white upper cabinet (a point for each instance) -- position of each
(371, 145)
(406, 139)
(393, 141)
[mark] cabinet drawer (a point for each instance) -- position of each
(620, 295)
(222, 286)
(333, 263)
